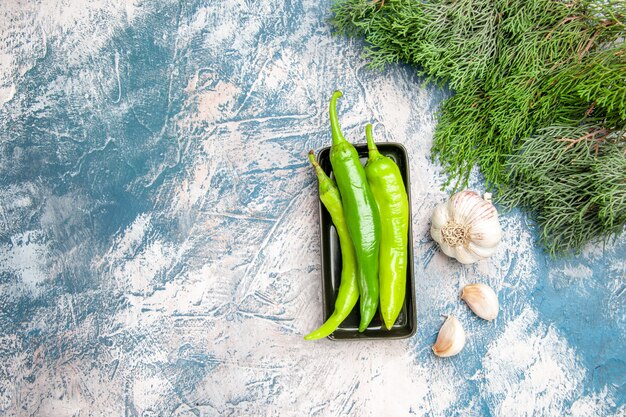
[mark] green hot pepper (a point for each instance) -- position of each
(361, 214)
(390, 194)
(348, 293)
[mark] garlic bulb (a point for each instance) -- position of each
(482, 300)
(451, 338)
(466, 227)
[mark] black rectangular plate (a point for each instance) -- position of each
(405, 325)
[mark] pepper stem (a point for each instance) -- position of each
(314, 161)
(321, 175)
(334, 120)
(371, 146)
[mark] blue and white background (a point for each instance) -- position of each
(159, 246)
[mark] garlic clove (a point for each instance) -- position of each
(487, 233)
(440, 216)
(481, 252)
(466, 206)
(466, 256)
(435, 232)
(482, 300)
(451, 338)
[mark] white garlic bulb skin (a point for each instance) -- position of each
(467, 227)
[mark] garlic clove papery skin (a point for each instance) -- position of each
(440, 216)
(482, 300)
(466, 227)
(463, 208)
(480, 252)
(465, 256)
(487, 232)
(451, 338)
(435, 233)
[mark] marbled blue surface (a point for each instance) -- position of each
(159, 246)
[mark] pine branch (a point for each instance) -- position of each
(573, 179)
(516, 67)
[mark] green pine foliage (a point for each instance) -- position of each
(526, 75)
(574, 180)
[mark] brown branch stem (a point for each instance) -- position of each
(592, 136)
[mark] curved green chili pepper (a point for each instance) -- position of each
(390, 194)
(348, 293)
(361, 214)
